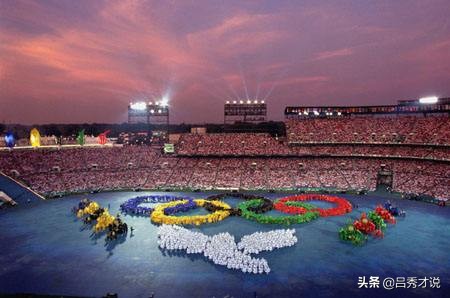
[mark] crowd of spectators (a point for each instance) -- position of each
(230, 144)
(397, 129)
(70, 170)
(249, 144)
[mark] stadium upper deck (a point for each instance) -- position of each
(426, 105)
(403, 129)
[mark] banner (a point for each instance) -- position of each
(10, 140)
(35, 138)
(81, 138)
(169, 148)
(102, 139)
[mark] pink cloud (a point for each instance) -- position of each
(234, 36)
(302, 80)
(432, 52)
(333, 54)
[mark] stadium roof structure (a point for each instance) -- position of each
(423, 105)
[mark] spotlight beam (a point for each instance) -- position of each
(243, 81)
(232, 90)
(274, 84)
(257, 89)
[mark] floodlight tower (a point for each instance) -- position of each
(158, 113)
(138, 112)
(149, 113)
(245, 111)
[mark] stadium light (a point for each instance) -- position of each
(241, 102)
(429, 99)
(255, 101)
(164, 101)
(234, 101)
(249, 101)
(262, 101)
(228, 102)
(140, 106)
(316, 113)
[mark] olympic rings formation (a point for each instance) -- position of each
(253, 208)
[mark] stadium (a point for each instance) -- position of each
(365, 156)
(224, 149)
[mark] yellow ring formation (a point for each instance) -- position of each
(159, 217)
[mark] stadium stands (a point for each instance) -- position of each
(142, 167)
(235, 144)
(248, 144)
(337, 153)
(369, 129)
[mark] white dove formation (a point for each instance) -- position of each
(222, 249)
(267, 241)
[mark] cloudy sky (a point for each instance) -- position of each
(84, 61)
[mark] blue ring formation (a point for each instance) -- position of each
(132, 207)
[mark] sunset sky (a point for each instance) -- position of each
(84, 61)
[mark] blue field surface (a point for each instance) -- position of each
(45, 250)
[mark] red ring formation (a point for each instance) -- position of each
(343, 206)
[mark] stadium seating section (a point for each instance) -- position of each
(341, 153)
